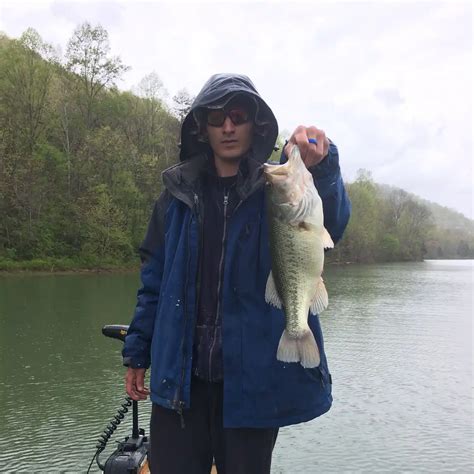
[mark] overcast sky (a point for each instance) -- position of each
(390, 83)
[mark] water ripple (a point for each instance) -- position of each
(398, 339)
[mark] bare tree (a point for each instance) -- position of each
(183, 101)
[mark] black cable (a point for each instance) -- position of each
(92, 460)
(107, 433)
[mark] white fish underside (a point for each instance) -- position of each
(297, 242)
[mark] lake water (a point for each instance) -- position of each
(398, 339)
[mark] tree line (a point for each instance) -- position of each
(80, 161)
(80, 164)
(389, 224)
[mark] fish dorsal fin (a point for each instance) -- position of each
(271, 293)
(327, 241)
(320, 299)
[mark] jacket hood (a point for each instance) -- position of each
(216, 92)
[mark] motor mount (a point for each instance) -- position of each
(131, 455)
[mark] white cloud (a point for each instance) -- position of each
(389, 82)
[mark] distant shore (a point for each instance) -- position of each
(68, 267)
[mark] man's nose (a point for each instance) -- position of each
(228, 126)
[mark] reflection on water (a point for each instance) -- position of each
(398, 339)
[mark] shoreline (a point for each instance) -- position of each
(27, 268)
(78, 271)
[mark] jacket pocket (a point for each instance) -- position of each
(321, 375)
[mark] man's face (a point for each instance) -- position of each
(230, 132)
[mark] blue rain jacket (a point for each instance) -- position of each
(259, 390)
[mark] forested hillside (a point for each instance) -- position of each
(80, 160)
(389, 224)
(80, 165)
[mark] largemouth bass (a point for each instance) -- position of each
(297, 242)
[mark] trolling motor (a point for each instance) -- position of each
(130, 457)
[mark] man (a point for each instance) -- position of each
(201, 320)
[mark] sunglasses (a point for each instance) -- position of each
(238, 116)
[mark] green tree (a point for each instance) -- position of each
(88, 58)
(25, 78)
(105, 228)
(81, 164)
(414, 224)
(362, 231)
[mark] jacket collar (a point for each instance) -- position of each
(183, 179)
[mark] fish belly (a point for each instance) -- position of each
(297, 262)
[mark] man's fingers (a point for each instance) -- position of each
(134, 384)
(326, 146)
(300, 138)
(129, 383)
(314, 149)
(140, 383)
(311, 153)
(323, 144)
(137, 395)
(139, 380)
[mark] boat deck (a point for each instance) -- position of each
(145, 469)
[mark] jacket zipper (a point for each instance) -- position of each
(178, 403)
(219, 284)
(200, 217)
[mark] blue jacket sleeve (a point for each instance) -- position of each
(328, 181)
(136, 350)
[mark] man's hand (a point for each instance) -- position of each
(311, 153)
(135, 384)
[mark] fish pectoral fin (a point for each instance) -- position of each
(327, 240)
(320, 299)
(271, 293)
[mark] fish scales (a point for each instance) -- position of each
(297, 241)
(296, 265)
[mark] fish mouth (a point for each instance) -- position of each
(276, 169)
(275, 174)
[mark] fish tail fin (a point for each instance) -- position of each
(288, 348)
(303, 349)
(308, 350)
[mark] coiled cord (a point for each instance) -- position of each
(109, 430)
